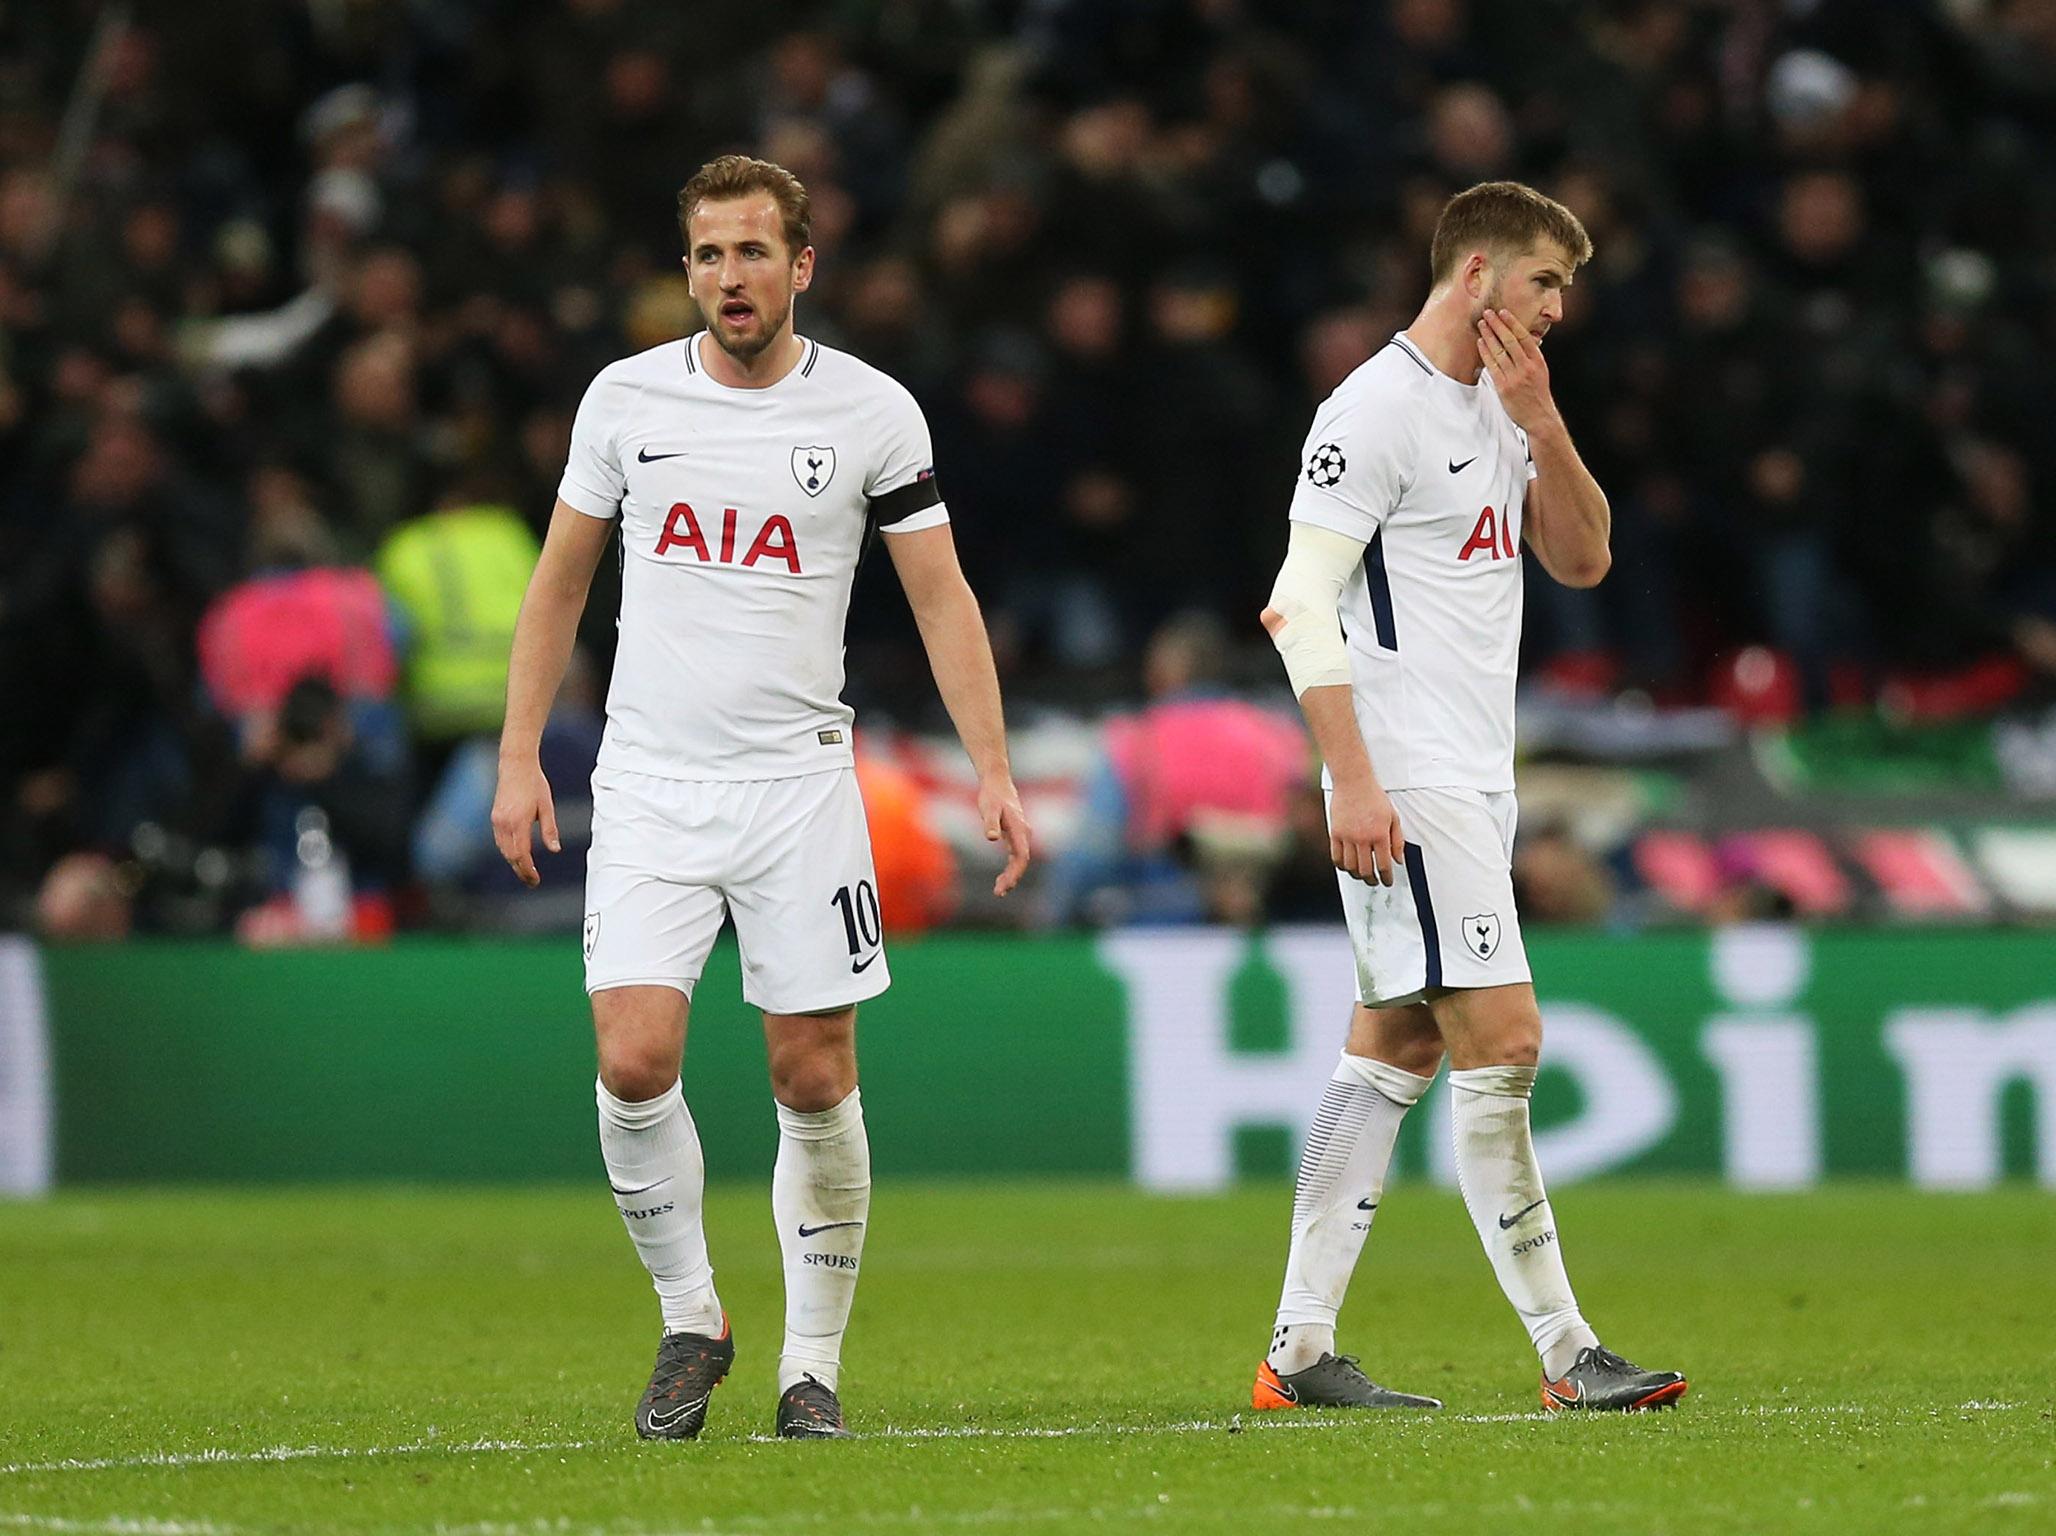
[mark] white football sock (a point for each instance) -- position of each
(821, 1198)
(659, 1177)
(1502, 1186)
(1341, 1180)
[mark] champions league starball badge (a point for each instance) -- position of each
(1324, 466)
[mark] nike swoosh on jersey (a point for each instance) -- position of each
(1457, 469)
(644, 456)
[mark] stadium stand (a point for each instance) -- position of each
(279, 280)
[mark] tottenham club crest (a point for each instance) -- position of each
(1481, 934)
(592, 932)
(813, 468)
(1324, 466)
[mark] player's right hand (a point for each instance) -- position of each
(521, 800)
(1364, 838)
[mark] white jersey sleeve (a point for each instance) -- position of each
(902, 494)
(1359, 458)
(594, 482)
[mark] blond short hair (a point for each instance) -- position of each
(1504, 218)
(733, 176)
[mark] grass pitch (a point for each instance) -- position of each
(1041, 1357)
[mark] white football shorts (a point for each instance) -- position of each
(789, 858)
(1447, 919)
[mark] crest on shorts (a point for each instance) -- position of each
(592, 932)
(813, 468)
(1481, 934)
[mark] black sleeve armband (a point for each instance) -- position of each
(897, 506)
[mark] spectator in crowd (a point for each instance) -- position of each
(456, 576)
(1186, 809)
(453, 850)
(330, 809)
(917, 871)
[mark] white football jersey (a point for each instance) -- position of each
(743, 514)
(1431, 475)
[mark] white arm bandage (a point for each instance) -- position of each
(1302, 616)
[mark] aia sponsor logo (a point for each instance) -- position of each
(1491, 536)
(772, 541)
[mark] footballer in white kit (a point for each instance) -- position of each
(1398, 614)
(1428, 474)
(726, 777)
(746, 468)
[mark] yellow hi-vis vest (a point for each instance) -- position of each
(458, 576)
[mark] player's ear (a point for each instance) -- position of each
(1476, 269)
(803, 270)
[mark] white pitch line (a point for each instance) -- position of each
(910, 1434)
(296, 1453)
(917, 1433)
(114, 1525)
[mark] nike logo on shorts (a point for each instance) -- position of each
(857, 967)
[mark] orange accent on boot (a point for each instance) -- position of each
(1270, 1392)
(1558, 1395)
(1663, 1396)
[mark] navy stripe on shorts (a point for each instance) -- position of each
(1424, 908)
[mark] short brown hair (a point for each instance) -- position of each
(1507, 218)
(733, 176)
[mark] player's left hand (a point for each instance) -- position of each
(999, 807)
(1514, 359)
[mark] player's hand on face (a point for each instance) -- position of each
(521, 800)
(1364, 838)
(1514, 359)
(999, 807)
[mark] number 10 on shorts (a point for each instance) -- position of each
(860, 923)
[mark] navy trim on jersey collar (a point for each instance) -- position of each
(1413, 352)
(692, 354)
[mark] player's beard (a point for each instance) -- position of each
(1494, 301)
(748, 347)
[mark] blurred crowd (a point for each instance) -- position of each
(297, 298)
